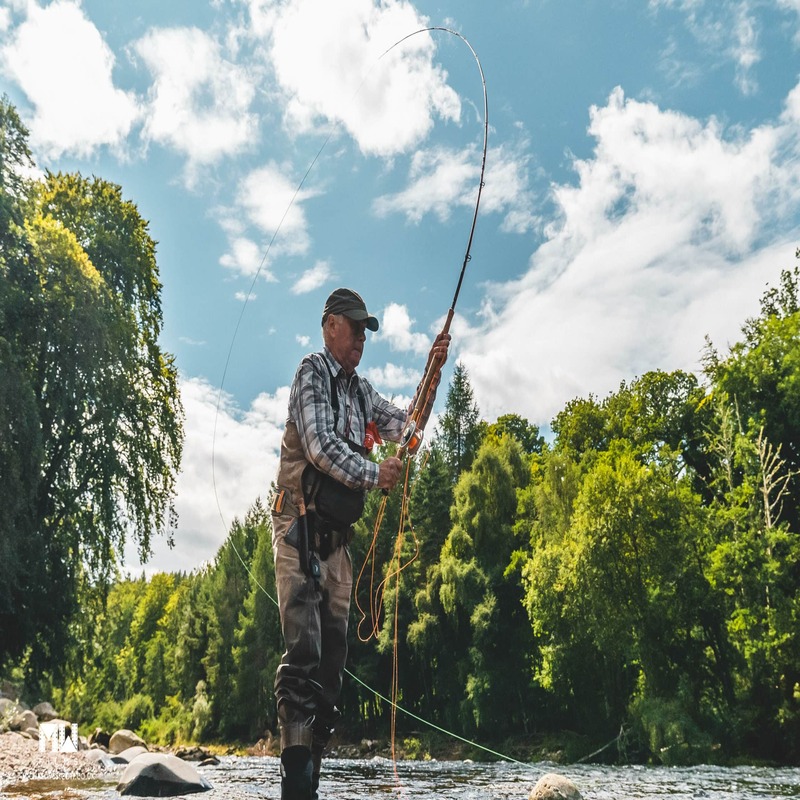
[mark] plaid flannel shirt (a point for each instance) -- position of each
(311, 410)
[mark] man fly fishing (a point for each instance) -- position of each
(335, 417)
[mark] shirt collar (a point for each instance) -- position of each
(336, 368)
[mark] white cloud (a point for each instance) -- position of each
(271, 202)
(792, 5)
(726, 29)
(392, 377)
(230, 458)
(744, 50)
(671, 233)
(313, 278)
(245, 297)
(199, 103)
(327, 58)
(61, 62)
(246, 257)
(302, 340)
(440, 179)
(396, 330)
(443, 179)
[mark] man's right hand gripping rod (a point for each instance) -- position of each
(415, 426)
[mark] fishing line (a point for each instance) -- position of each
(425, 390)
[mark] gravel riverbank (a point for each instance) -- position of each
(20, 761)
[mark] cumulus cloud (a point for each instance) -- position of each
(230, 458)
(199, 103)
(313, 278)
(441, 179)
(271, 202)
(303, 340)
(670, 233)
(65, 68)
(392, 377)
(327, 59)
(396, 330)
(245, 257)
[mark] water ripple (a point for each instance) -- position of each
(240, 778)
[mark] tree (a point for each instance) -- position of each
(93, 424)
(518, 428)
(258, 638)
(618, 601)
(754, 566)
(469, 635)
(459, 432)
(760, 380)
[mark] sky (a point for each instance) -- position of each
(642, 190)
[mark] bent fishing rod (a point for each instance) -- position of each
(414, 429)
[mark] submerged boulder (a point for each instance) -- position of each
(160, 775)
(554, 787)
(101, 758)
(127, 755)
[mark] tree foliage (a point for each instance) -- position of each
(89, 406)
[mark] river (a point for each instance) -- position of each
(238, 778)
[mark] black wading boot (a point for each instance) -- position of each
(296, 771)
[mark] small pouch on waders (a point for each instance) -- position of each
(336, 503)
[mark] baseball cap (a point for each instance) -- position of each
(349, 303)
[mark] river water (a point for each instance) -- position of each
(238, 778)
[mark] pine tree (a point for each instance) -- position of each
(459, 431)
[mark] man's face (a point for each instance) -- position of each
(346, 341)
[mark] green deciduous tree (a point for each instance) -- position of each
(470, 629)
(90, 412)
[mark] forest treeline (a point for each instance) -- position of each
(634, 576)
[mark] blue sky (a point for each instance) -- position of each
(641, 190)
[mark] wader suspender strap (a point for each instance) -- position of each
(309, 490)
(335, 399)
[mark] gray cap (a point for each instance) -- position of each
(349, 303)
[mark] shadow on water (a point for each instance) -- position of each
(242, 778)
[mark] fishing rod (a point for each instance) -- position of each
(414, 429)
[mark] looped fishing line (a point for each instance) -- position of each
(376, 597)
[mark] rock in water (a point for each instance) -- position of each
(126, 756)
(160, 775)
(122, 740)
(554, 787)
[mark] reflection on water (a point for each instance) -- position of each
(344, 779)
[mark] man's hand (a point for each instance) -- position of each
(440, 347)
(389, 472)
